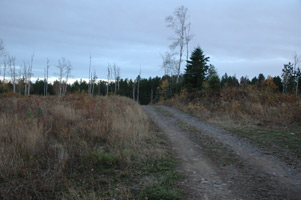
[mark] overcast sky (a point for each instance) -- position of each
(242, 37)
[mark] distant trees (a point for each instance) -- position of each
(212, 78)
(65, 68)
(291, 75)
(199, 75)
(27, 74)
(92, 79)
(196, 70)
(180, 24)
(278, 83)
(288, 77)
(229, 81)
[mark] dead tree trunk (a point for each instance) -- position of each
(134, 89)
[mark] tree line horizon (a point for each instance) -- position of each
(152, 90)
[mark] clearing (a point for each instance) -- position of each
(218, 165)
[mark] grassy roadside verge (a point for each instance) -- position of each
(271, 140)
(273, 130)
(105, 178)
(82, 147)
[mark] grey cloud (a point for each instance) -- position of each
(242, 37)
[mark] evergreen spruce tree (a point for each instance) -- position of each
(196, 70)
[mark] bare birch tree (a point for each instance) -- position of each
(29, 74)
(2, 53)
(4, 69)
(181, 27)
(25, 77)
(109, 75)
(297, 64)
(12, 68)
(188, 37)
(46, 74)
(61, 66)
(116, 72)
(68, 69)
(20, 81)
(65, 68)
(1, 48)
(94, 78)
(169, 63)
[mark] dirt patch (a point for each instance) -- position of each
(218, 165)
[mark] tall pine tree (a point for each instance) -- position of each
(196, 70)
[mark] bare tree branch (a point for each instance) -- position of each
(116, 72)
(12, 68)
(181, 27)
(109, 76)
(169, 63)
(46, 77)
(94, 78)
(1, 48)
(64, 67)
(29, 74)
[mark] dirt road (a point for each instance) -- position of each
(217, 165)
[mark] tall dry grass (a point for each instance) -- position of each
(43, 141)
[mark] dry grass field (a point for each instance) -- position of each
(81, 147)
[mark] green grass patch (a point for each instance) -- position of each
(273, 139)
(159, 192)
(166, 178)
(105, 175)
(100, 160)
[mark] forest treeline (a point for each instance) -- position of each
(155, 89)
(199, 76)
